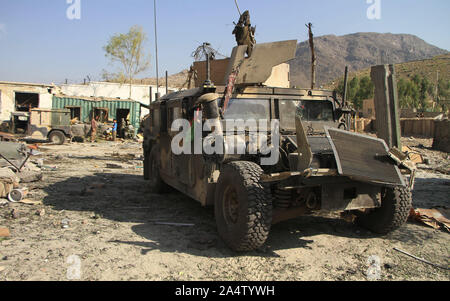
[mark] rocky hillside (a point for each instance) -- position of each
(175, 80)
(358, 51)
(431, 69)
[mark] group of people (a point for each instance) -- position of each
(94, 129)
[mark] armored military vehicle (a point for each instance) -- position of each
(42, 124)
(320, 165)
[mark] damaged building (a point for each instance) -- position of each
(21, 97)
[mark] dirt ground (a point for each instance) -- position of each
(104, 215)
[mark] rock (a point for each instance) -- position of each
(114, 166)
(30, 176)
(40, 212)
(14, 214)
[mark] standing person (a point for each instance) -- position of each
(122, 128)
(114, 130)
(94, 125)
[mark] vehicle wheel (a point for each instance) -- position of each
(394, 211)
(155, 183)
(57, 137)
(243, 207)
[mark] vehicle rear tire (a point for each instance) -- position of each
(243, 206)
(394, 211)
(57, 137)
(155, 182)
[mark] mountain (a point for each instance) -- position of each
(175, 80)
(358, 51)
(431, 69)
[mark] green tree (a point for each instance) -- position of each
(443, 95)
(128, 50)
(358, 89)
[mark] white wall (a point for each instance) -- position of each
(7, 97)
(139, 93)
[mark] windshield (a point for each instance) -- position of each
(309, 110)
(247, 109)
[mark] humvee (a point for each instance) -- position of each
(321, 166)
(43, 124)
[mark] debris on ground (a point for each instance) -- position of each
(436, 218)
(114, 166)
(4, 232)
(421, 259)
(30, 176)
(8, 181)
(412, 155)
(30, 202)
(174, 224)
(119, 208)
(17, 195)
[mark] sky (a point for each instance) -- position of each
(45, 41)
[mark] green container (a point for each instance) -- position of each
(88, 105)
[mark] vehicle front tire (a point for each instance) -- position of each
(394, 211)
(57, 137)
(243, 207)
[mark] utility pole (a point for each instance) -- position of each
(156, 52)
(313, 56)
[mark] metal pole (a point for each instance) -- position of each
(344, 97)
(167, 82)
(156, 50)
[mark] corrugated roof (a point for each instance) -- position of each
(94, 98)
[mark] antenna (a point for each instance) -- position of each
(313, 55)
(156, 52)
(237, 6)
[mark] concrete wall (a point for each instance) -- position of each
(7, 97)
(442, 136)
(139, 93)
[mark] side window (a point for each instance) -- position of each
(173, 113)
(75, 113)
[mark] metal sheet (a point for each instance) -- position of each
(363, 158)
(258, 68)
(336, 197)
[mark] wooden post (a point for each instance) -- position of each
(313, 56)
(386, 105)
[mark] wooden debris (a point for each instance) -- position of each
(4, 232)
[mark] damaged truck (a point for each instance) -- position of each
(321, 166)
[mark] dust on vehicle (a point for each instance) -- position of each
(320, 165)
